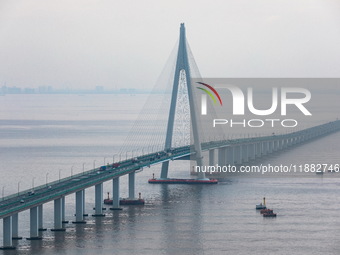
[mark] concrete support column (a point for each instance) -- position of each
(275, 146)
(34, 222)
(279, 145)
(7, 234)
(270, 147)
(238, 154)
(258, 149)
(252, 151)
(245, 153)
(84, 211)
(132, 185)
(41, 218)
(230, 155)
(264, 148)
(15, 227)
(212, 157)
(289, 142)
(79, 207)
(63, 210)
(222, 156)
(115, 194)
(98, 200)
(58, 218)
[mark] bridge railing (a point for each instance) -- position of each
(24, 192)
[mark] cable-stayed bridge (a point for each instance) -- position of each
(182, 110)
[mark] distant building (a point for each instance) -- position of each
(29, 91)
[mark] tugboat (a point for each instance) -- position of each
(262, 206)
(108, 201)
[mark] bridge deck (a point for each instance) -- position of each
(22, 201)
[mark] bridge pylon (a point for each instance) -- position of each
(183, 68)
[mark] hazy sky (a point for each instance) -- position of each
(111, 43)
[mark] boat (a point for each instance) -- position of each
(263, 211)
(107, 200)
(262, 206)
(269, 214)
(132, 201)
(125, 201)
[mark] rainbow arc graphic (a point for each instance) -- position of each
(212, 93)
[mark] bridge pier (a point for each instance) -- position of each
(276, 145)
(212, 157)
(63, 210)
(293, 140)
(301, 139)
(238, 154)
(98, 200)
(115, 194)
(7, 234)
(230, 155)
(252, 151)
(270, 147)
(245, 153)
(15, 227)
(84, 205)
(279, 145)
(284, 144)
(58, 218)
(34, 224)
(264, 148)
(41, 218)
(289, 142)
(298, 139)
(258, 149)
(132, 185)
(222, 156)
(79, 207)
(164, 171)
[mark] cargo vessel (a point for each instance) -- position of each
(125, 201)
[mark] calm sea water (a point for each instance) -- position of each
(42, 136)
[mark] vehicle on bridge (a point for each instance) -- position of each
(115, 165)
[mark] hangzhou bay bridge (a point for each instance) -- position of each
(224, 151)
